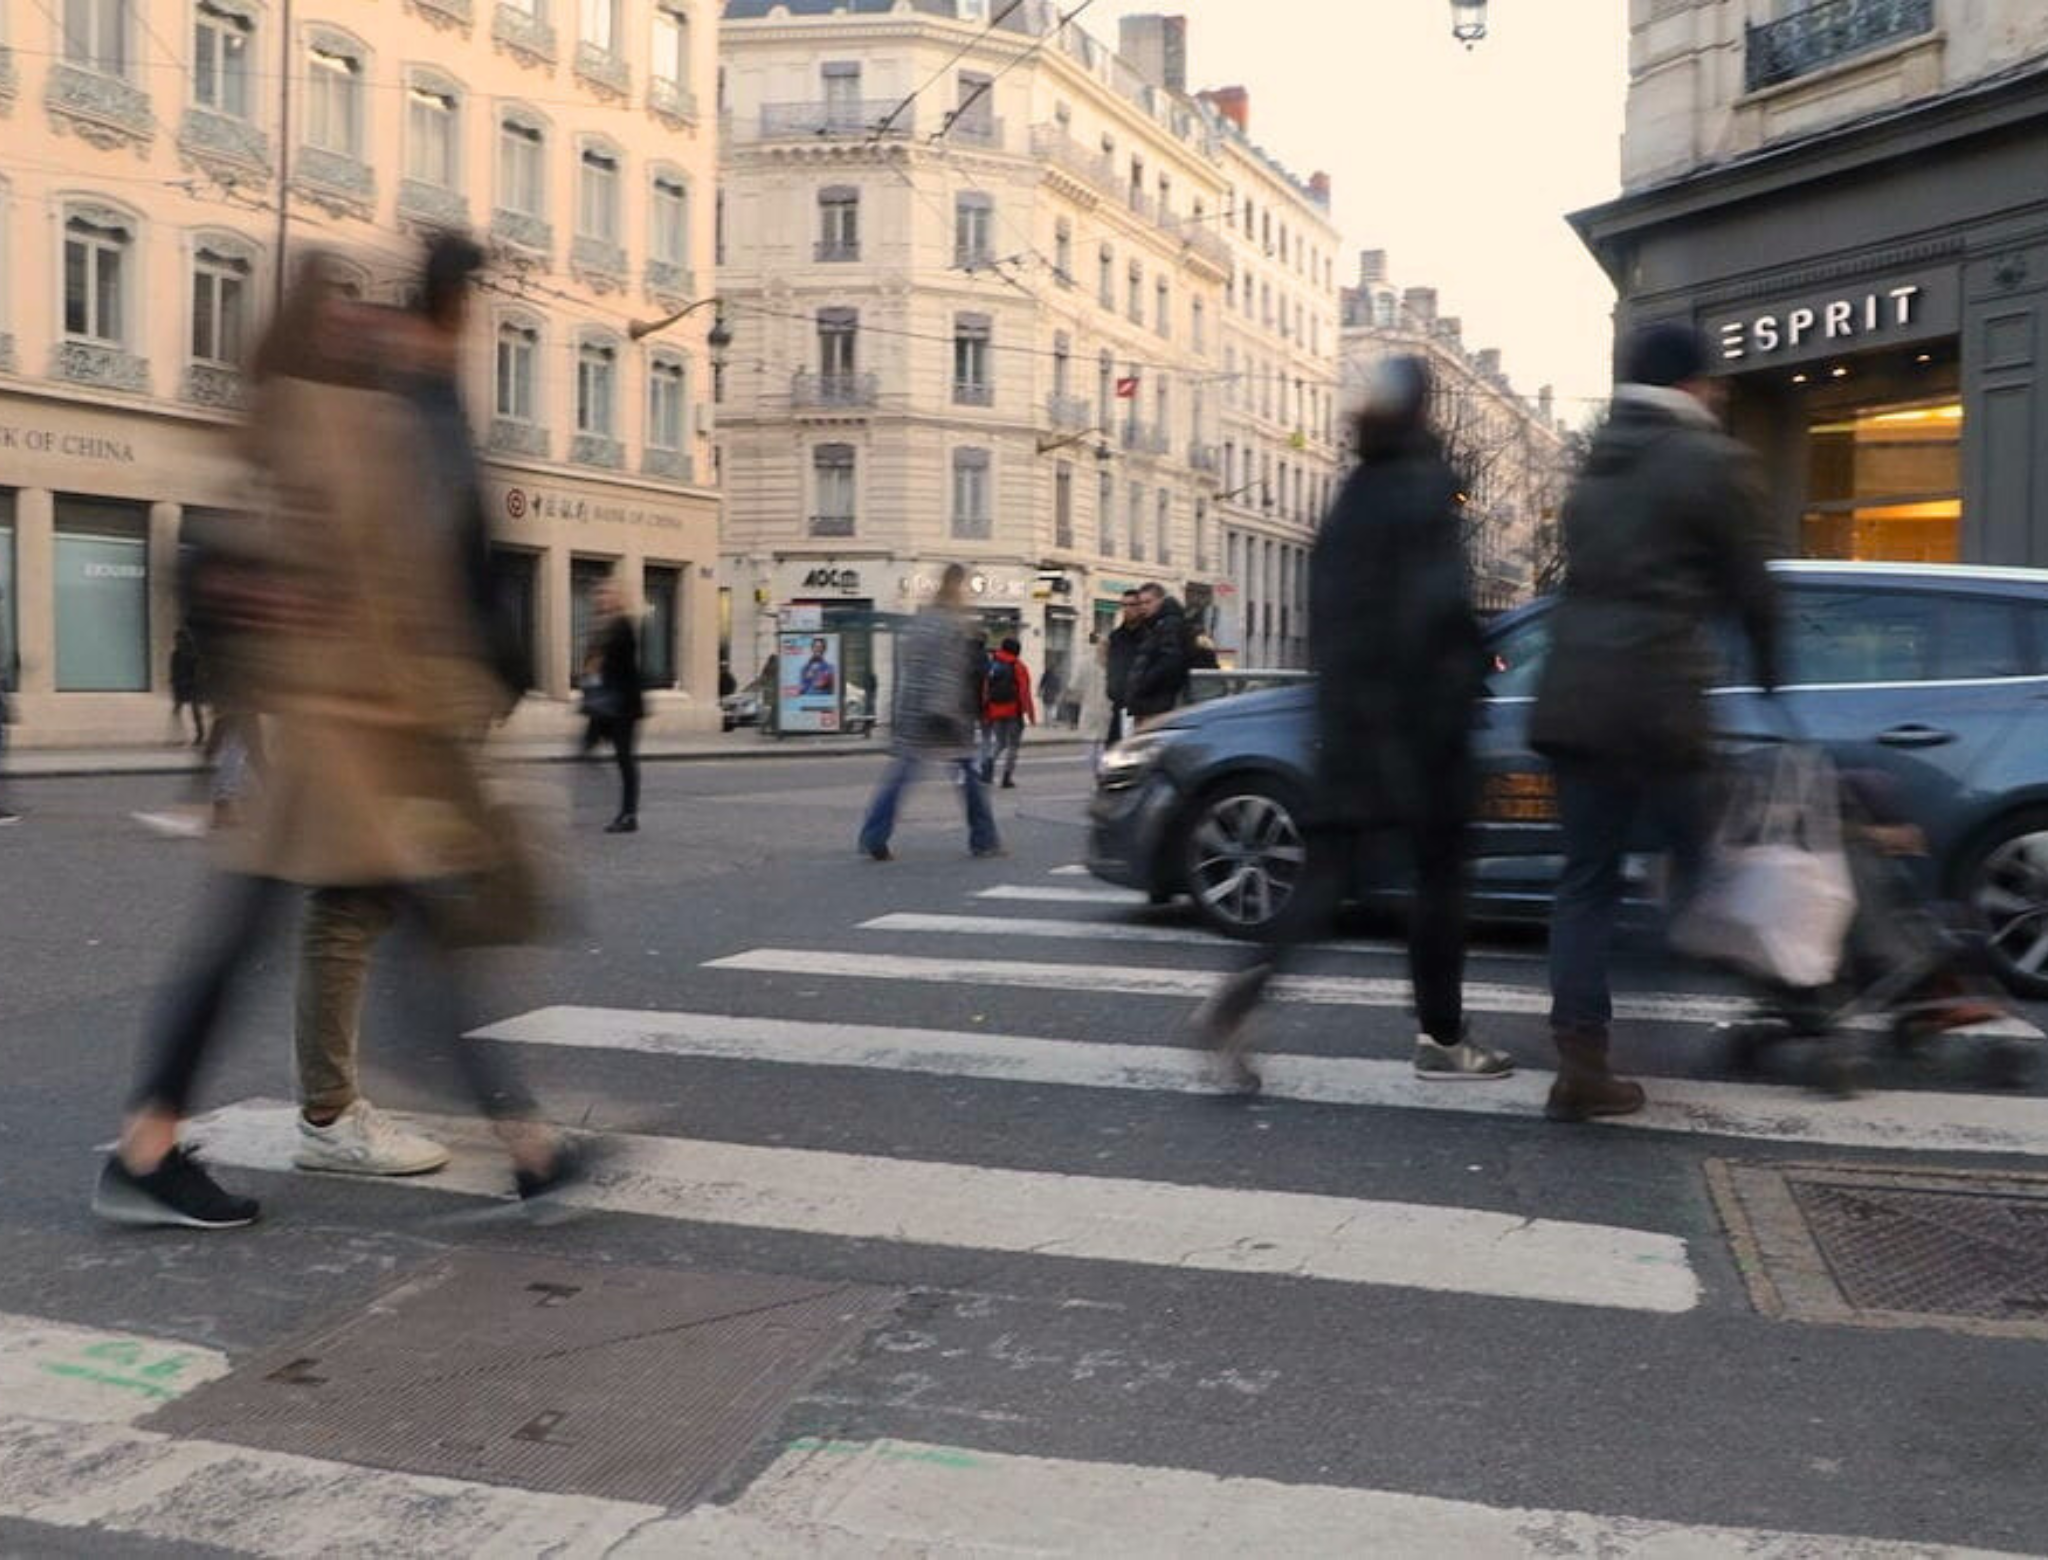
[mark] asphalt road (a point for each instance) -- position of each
(1114, 1303)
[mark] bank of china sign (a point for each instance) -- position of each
(1836, 324)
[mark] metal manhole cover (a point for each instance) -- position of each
(1876, 1246)
(628, 1383)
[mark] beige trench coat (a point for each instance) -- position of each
(374, 697)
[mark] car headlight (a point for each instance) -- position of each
(1130, 761)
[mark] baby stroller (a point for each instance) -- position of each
(1909, 974)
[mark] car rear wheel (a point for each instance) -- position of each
(1243, 856)
(2006, 887)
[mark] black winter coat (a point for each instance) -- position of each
(1124, 640)
(1665, 535)
(616, 650)
(1159, 672)
(1396, 649)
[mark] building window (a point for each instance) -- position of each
(1062, 364)
(1105, 277)
(974, 106)
(518, 368)
(1164, 536)
(973, 230)
(671, 66)
(1134, 533)
(1204, 559)
(1105, 390)
(220, 301)
(598, 24)
(220, 60)
(1105, 514)
(1134, 301)
(840, 81)
(522, 171)
(667, 397)
(668, 221)
(1198, 326)
(431, 135)
(101, 560)
(1063, 253)
(1162, 307)
(972, 385)
(835, 507)
(596, 389)
(838, 343)
(970, 495)
(597, 199)
(838, 223)
(96, 36)
(1063, 505)
(661, 591)
(334, 101)
(97, 255)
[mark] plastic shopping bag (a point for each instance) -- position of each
(1777, 897)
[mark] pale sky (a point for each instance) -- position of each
(1460, 165)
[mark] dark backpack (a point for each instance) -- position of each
(1001, 687)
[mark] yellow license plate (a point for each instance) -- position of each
(1519, 798)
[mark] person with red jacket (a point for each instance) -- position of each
(1006, 705)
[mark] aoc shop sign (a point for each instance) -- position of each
(1822, 325)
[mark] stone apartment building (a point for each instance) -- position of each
(1847, 197)
(150, 145)
(984, 268)
(1510, 450)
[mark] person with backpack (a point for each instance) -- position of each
(1006, 706)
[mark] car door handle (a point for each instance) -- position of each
(1915, 735)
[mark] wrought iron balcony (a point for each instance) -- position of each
(832, 525)
(811, 390)
(1827, 33)
(853, 117)
(1069, 411)
(1205, 457)
(973, 392)
(1055, 146)
(976, 130)
(1144, 438)
(830, 250)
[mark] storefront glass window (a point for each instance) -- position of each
(102, 598)
(661, 589)
(10, 675)
(1886, 483)
(585, 575)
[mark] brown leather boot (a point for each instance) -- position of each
(1585, 1088)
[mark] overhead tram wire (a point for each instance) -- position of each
(888, 120)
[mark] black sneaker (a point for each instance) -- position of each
(625, 823)
(539, 1189)
(177, 1192)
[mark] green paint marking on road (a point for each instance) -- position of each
(936, 1456)
(106, 1378)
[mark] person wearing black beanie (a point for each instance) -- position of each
(1665, 535)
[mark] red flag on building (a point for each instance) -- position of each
(1127, 389)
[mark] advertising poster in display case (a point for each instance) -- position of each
(810, 687)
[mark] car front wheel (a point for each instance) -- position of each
(1244, 856)
(2006, 886)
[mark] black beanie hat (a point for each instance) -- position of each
(1668, 353)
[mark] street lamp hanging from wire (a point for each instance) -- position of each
(1468, 21)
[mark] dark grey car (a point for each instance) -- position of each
(1935, 678)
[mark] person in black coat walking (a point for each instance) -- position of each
(613, 700)
(1400, 666)
(1124, 640)
(1159, 671)
(1665, 534)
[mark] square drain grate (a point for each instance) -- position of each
(1874, 1246)
(628, 1383)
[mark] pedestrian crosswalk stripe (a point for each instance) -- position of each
(1136, 932)
(1094, 1218)
(1933, 1123)
(1072, 869)
(1331, 990)
(1062, 894)
(897, 1497)
(71, 1464)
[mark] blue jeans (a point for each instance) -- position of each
(903, 769)
(1603, 817)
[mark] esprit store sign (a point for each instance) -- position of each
(1828, 324)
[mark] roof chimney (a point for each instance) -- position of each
(1234, 104)
(1372, 266)
(1488, 362)
(1319, 187)
(1419, 304)
(1158, 47)
(1452, 329)
(1546, 403)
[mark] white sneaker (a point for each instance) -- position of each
(360, 1141)
(1463, 1062)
